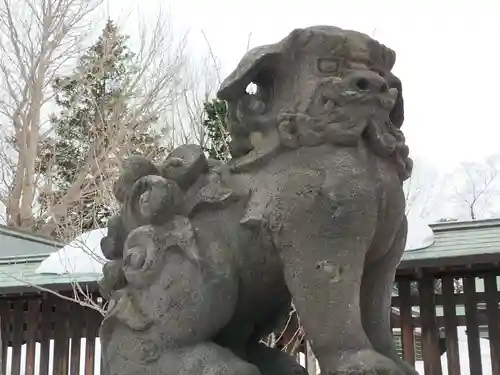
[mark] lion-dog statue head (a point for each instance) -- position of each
(306, 86)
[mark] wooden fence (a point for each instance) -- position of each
(51, 336)
(436, 307)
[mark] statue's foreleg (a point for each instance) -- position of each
(376, 294)
(323, 237)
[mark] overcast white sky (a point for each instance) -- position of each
(447, 54)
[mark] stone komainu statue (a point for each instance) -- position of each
(205, 257)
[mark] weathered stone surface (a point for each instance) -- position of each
(206, 257)
(184, 165)
(133, 169)
(112, 245)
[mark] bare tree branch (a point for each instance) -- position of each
(421, 189)
(36, 40)
(159, 86)
(474, 184)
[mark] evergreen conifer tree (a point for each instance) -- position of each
(92, 102)
(216, 128)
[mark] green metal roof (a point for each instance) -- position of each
(19, 243)
(458, 243)
(18, 275)
(20, 255)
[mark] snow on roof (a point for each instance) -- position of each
(420, 234)
(83, 255)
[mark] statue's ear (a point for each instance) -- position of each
(257, 66)
(248, 70)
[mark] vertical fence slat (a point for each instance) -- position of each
(471, 321)
(89, 342)
(76, 329)
(2, 356)
(430, 337)
(4, 328)
(450, 326)
(61, 338)
(10, 327)
(492, 301)
(17, 336)
(97, 318)
(45, 334)
(97, 326)
(101, 362)
(407, 328)
(32, 327)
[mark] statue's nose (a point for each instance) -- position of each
(369, 82)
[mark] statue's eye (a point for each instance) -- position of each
(328, 66)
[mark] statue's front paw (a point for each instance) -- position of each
(363, 362)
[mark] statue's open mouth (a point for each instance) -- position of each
(385, 100)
